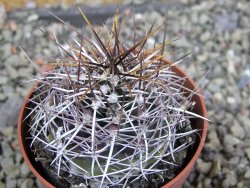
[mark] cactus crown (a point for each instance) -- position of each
(109, 114)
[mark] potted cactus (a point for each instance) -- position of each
(111, 115)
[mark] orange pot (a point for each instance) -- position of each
(177, 182)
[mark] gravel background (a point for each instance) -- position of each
(218, 35)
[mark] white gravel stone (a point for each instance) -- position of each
(25, 72)
(3, 80)
(7, 151)
(2, 185)
(28, 183)
(24, 170)
(247, 174)
(231, 100)
(218, 97)
(11, 171)
(11, 183)
(12, 72)
(6, 50)
(213, 139)
(230, 141)
(203, 167)
(247, 151)
(9, 117)
(2, 97)
(245, 121)
(216, 167)
(237, 130)
(8, 131)
(13, 61)
(230, 180)
(18, 158)
(8, 90)
(205, 36)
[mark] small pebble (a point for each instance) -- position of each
(203, 167)
(28, 183)
(231, 141)
(2, 185)
(230, 180)
(24, 170)
(247, 174)
(11, 183)
(237, 130)
(7, 151)
(247, 150)
(3, 80)
(216, 168)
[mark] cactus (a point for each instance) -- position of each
(110, 115)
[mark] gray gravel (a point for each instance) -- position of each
(217, 33)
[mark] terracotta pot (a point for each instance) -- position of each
(200, 108)
(177, 182)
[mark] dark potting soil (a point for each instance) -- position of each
(154, 180)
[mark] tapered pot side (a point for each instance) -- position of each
(177, 182)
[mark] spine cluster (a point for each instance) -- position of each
(108, 113)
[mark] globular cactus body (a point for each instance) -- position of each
(110, 114)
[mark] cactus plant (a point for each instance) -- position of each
(110, 115)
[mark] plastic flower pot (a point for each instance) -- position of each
(192, 155)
